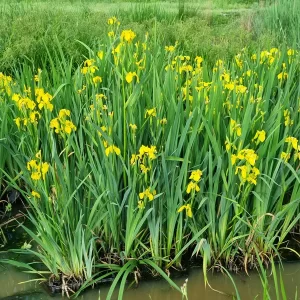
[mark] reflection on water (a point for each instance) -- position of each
(249, 287)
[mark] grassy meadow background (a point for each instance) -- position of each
(143, 136)
(209, 28)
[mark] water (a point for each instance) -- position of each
(249, 287)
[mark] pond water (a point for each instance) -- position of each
(249, 287)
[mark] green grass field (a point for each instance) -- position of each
(208, 28)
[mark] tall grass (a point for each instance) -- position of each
(282, 20)
(141, 12)
(203, 29)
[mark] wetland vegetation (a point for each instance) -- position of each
(145, 138)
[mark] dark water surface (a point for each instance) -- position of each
(249, 287)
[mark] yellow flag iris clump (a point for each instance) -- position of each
(260, 136)
(187, 209)
(144, 152)
(128, 36)
(61, 124)
(37, 168)
(30, 111)
(130, 75)
(292, 141)
(235, 127)
(292, 147)
(248, 172)
(113, 20)
(89, 67)
(150, 112)
(150, 153)
(147, 194)
(112, 149)
(193, 184)
(5, 83)
(43, 99)
(35, 194)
